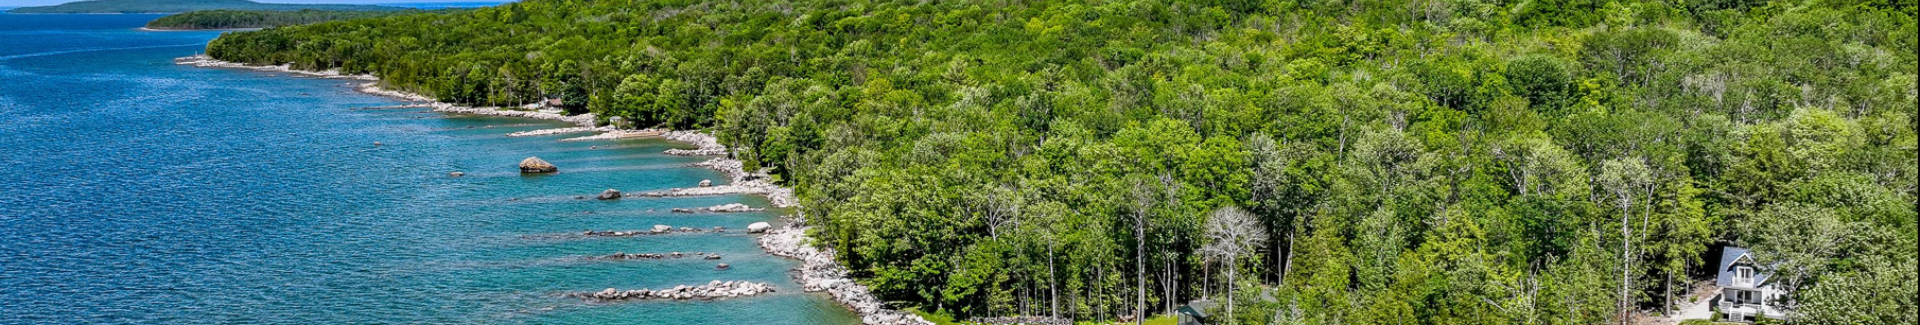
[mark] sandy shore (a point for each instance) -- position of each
(819, 272)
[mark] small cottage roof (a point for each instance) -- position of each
(1736, 256)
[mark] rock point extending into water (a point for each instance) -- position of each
(712, 290)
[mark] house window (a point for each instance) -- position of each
(1744, 296)
(1743, 276)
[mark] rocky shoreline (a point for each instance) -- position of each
(743, 183)
(583, 120)
(554, 131)
(707, 144)
(819, 271)
(204, 61)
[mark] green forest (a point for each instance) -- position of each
(1298, 161)
(233, 19)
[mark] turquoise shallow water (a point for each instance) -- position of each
(137, 191)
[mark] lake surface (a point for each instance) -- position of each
(136, 191)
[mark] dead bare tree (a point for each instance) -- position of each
(1232, 232)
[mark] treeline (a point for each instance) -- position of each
(1310, 162)
(233, 19)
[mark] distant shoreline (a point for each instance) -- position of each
(151, 29)
(10, 12)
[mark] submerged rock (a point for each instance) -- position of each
(456, 174)
(535, 165)
(609, 194)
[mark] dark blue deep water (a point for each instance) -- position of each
(136, 191)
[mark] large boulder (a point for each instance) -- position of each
(706, 183)
(535, 165)
(759, 227)
(662, 228)
(609, 194)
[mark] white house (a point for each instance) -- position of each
(1746, 294)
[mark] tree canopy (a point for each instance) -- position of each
(1407, 161)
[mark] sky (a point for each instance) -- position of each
(29, 3)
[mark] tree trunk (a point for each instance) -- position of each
(1053, 286)
(1668, 292)
(1626, 258)
(1173, 287)
(1230, 273)
(1287, 267)
(1140, 268)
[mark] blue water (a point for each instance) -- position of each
(136, 191)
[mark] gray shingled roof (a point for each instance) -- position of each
(1727, 257)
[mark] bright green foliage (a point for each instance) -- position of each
(1408, 162)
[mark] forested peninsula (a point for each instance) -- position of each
(178, 6)
(240, 19)
(1297, 162)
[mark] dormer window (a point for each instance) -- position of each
(1743, 276)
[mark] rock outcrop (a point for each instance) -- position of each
(712, 290)
(609, 194)
(535, 166)
(638, 256)
(707, 144)
(733, 207)
(657, 230)
(723, 208)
